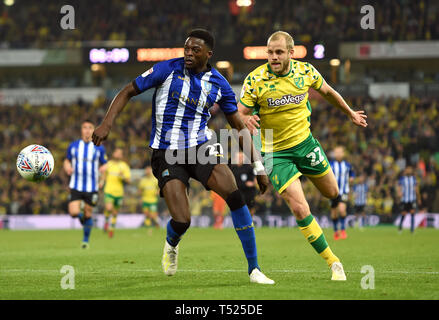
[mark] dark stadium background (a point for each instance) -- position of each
(391, 71)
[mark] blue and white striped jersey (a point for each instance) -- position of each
(360, 192)
(181, 103)
(342, 171)
(408, 185)
(85, 159)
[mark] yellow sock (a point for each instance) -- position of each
(113, 222)
(107, 215)
(148, 222)
(314, 234)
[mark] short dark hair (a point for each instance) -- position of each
(205, 35)
(87, 121)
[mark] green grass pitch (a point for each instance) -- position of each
(212, 265)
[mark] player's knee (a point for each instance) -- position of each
(179, 226)
(300, 209)
(332, 192)
(73, 211)
(235, 200)
(335, 201)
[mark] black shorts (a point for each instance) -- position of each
(408, 206)
(182, 164)
(249, 197)
(90, 198)
(359, 208)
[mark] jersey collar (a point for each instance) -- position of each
(201, 74)
(281, 76)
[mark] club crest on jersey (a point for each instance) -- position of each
(299, 82)
(206, 86)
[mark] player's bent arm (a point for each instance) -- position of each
(251, 121)
(245, 139)
(119, 102)
(67, 165)
(103, 169)
(334, 98)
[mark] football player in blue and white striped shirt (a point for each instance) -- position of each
(344, 174)
(84, 163)
(408, 190)
(360, 192)
(185, 89)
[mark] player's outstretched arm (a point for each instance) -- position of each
(119, 102)
(244, 138)
(334, 98)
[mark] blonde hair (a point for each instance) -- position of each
(288, 38)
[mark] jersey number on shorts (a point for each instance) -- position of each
(313, 156)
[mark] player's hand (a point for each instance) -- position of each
(252, 124)
(69, 171)
(262, 182)
(359, 118)
(100, 134)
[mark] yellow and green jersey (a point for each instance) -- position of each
(117, 171)
(281, 103)
(149, 188)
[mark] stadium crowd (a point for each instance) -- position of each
(400, 132)
(32, 24)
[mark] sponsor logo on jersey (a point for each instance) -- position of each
(286, 99)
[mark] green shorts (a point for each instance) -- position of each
(151, 206)
(116, 201)
(285, 166)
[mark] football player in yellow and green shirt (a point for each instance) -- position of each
(149, 189)
(274, 98)
(116, 176)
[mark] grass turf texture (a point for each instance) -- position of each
(212, 265)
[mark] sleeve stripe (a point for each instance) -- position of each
(245, 105)
(320, 84)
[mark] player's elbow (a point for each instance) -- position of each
(129, 91)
